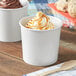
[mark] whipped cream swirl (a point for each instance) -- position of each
(40, 22)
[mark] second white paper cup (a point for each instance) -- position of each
(9, 23)
(40, 47)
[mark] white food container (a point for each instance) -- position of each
(9, 23)
(40, 47)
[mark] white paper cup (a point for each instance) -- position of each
(9, 23)
(40, 47)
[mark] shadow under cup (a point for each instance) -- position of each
(40, 47)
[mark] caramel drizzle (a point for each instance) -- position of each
(39, 19)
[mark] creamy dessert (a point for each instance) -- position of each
(40, 22)
(10, 4)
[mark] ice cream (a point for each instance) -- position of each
(10, 4)
(40, 22)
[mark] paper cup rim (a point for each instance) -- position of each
(40, 30)
(27, 3)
